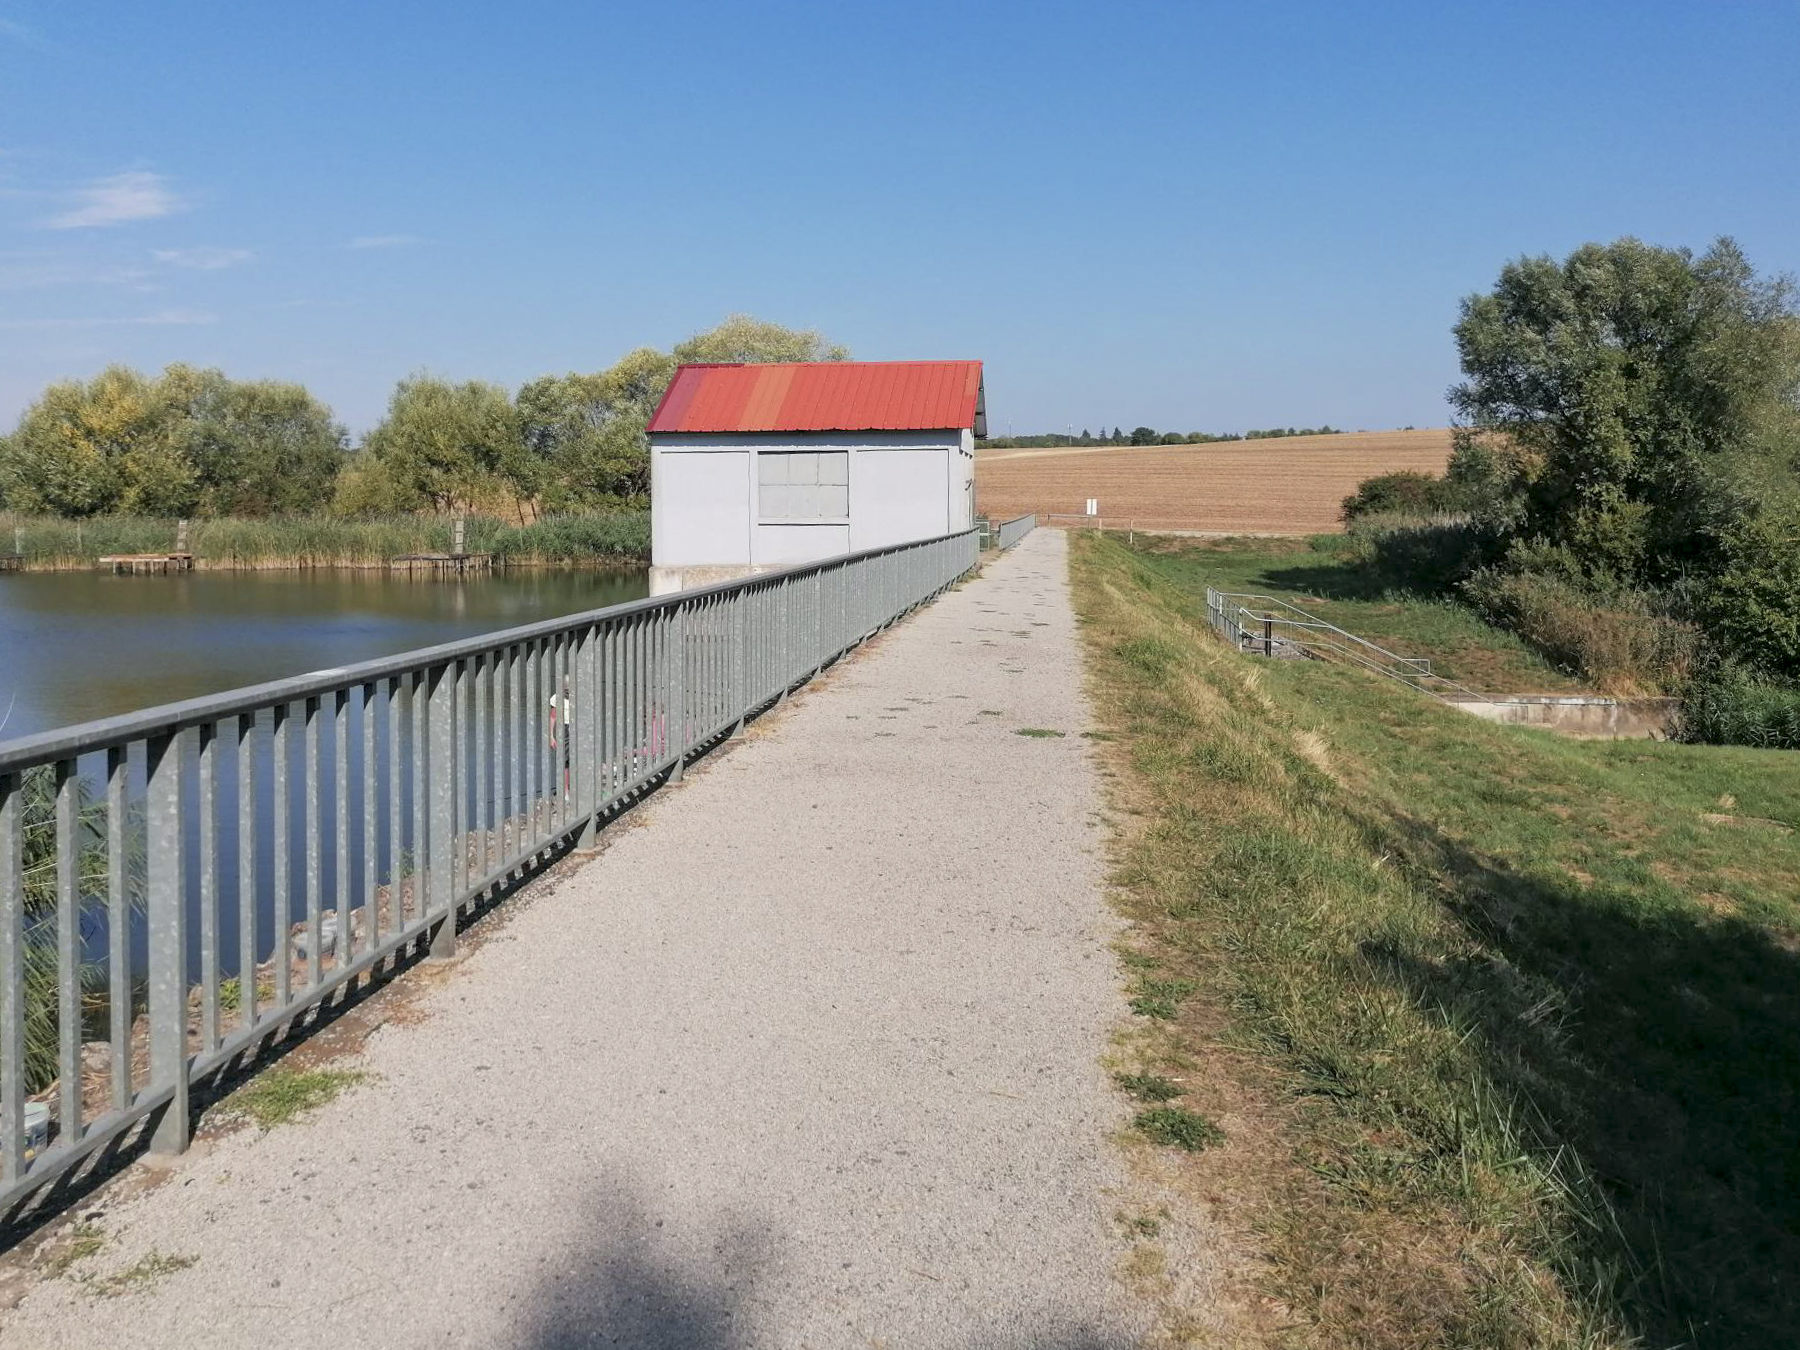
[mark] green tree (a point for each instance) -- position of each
(1144, 436)
(449, 447)
(260, 447)
(743, 338)
(587, 431)
(1632, 387)
(188, 442)
(84, 448)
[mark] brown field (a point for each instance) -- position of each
(1287, 485)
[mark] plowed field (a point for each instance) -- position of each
(1287, 485)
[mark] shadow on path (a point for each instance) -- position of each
(641, 1285)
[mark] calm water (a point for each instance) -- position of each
(79, 645)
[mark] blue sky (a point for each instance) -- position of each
(1190, 215)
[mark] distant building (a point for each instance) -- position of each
(756, 467)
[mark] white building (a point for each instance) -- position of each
(756, 467)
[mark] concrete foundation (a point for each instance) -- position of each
(1578, 715)
(668, 580)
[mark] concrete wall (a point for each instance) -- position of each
(704, 494)
(1580, 715)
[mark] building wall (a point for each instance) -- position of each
(704, 497)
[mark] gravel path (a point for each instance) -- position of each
(809, 1058)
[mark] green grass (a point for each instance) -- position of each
(1536, 1001)
(330, 541)
(280, 1095)
(1149, 1087)
(1321, 577)
(1161, 998)
(1178, 1127)
(1039, 733)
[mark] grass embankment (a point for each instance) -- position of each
(1526, 1010)
(49, 543)
(1324, 576)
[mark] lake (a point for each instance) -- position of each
(75, 646)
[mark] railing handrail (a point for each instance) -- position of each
(79, 738)
(1416, 672)
(1009, 532)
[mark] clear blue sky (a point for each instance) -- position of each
(1191, 215)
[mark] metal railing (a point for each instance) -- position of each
(180, 884)
(1269, 626)
(1011, 531)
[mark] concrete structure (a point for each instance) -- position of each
(757, 467)
(1579, 714)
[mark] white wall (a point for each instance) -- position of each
(903, 486)
(700, 506)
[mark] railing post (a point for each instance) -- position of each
(738, 661)
(440, 767)
(584, 713)
(1268, 636)
(678, 714)
(166, 906)
(12, 977)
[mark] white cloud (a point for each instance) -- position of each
(160, 319)
(202, 259)
(120, 198)
(385, 240)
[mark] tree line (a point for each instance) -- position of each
(196, 443)
(1150, 436)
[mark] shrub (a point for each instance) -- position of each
(1427, 555)
(1725, 704)
(1621, 641)
(1405, 493)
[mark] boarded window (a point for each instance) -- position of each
(803, 485)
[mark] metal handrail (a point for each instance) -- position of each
(1226, 612)
(1010, 532)
(263, 846)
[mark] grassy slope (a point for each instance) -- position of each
(1319, 576)
(1539, 1015)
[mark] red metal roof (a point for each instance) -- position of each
(823, 396)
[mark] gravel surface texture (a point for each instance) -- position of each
(808, 1057)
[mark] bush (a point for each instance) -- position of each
(1427, 555)
(1621, 641)
(1727, 705)
(1405, 493)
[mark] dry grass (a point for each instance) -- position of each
(1290, 485)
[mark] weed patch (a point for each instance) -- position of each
(1148, 1087)
(278, 1096)
(1039, 733)
(82, 1241)
(1161, 999)
(139, 1275)
(1178, 1127)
